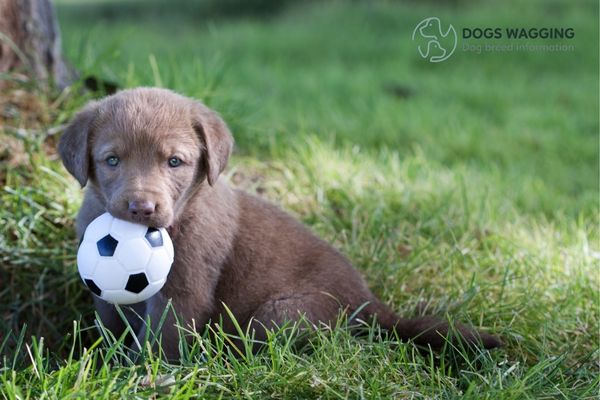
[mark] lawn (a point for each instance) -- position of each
(468, 187)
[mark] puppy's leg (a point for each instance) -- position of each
(113, 321)
(162, 330)
(312, 307)
(109, 317)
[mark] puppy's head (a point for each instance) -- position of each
(145, 151)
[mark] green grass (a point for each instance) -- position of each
(476, 195)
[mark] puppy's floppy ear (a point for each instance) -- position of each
(215, 137)
(74, 144)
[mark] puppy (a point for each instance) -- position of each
(154, 157)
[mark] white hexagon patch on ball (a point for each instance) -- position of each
(122, 262)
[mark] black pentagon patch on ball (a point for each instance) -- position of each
(137, 282)
(154, 237)
(107, 246)
(93, 287)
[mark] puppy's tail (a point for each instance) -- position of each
(429, 330)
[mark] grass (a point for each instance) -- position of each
(469, 187)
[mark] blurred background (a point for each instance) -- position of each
(348, 71)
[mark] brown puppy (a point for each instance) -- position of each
(154, 157)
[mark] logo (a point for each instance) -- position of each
(433, 44)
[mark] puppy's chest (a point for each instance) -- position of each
(196, 268)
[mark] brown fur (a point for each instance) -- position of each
(230, 247)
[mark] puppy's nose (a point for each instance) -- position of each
(142, 207)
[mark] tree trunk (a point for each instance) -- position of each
(30, 42)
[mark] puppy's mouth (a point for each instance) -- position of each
(156, 220)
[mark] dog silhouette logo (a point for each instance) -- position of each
(434, 44)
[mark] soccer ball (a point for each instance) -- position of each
(122, 262)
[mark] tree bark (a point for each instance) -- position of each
(30, 42)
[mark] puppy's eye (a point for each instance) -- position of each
(174, 162)
(112, 161)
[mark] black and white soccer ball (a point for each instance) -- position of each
(122, 262)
